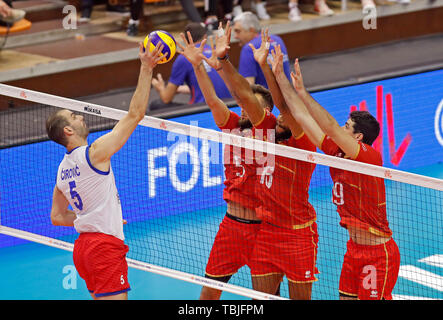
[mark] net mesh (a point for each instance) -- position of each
(171, 187)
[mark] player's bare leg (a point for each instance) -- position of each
(267, 283)
(210, 294)
(300, 291)
(120, 296)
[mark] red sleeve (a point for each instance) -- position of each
(302, 142)
(232, 122)
(368, 154)
(328, 146)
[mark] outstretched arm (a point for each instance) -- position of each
(194, 55)
(60, 214)
(294, 103)
(237, 84)
(261, 56)
(323, 118)
(107, 145)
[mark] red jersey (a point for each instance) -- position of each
(360, 199)
(240, 165)
(284, 189)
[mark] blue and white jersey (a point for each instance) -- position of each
(91, 193)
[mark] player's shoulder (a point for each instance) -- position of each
(369, 154)
(181, 61)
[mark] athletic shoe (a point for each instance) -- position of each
(237, 10)
(294, 12)
(323, 10)
(211, 23)
(132, 30)
(16, 15)
(262, 14)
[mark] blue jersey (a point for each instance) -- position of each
(183, 73)
(248, 67)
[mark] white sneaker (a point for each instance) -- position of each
(262, 14)
(401, 1)
(237, 10)
(294, 12)
(367, 5)
(323, 10)
(16, 15)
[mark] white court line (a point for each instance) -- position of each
(147, 267)
(436, 260)
(404, 297)
(422, 277)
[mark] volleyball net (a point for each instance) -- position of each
(170, 177)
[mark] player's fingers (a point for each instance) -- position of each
(297, 67)
(252, 47)
(211, 42)
(191, 41)
(158, 49)
(160, 58)
(228, 31)
(182, 35)
(202, 45)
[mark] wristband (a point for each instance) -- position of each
(224, 58)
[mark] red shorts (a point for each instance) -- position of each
(281, 250)
(100, 260)
(232, 247)
(370, 272)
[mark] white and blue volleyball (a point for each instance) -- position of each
(165, 38)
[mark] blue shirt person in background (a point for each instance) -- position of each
(247, 31)
(182, 75)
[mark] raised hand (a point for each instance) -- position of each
(212, 60)
(297, 79)
(158, 83)
(150, 59)
(190, 51)
(222, 40)
(261, 54)
(277, 61)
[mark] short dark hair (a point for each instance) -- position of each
(197, 31)
(365, 123)
(55, 125)
(265, 93)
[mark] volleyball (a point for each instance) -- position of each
(168, 41)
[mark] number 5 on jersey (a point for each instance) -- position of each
(75, 196)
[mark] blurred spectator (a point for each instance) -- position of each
(260, 9)
(247, 31)
(320, 7)
(8, 15)
(231, 9)
(191, 11)
(86, 8)
(134, 21)
(183, 73)
(211, 9)
(137, 10)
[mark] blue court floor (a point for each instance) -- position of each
(33, 271)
